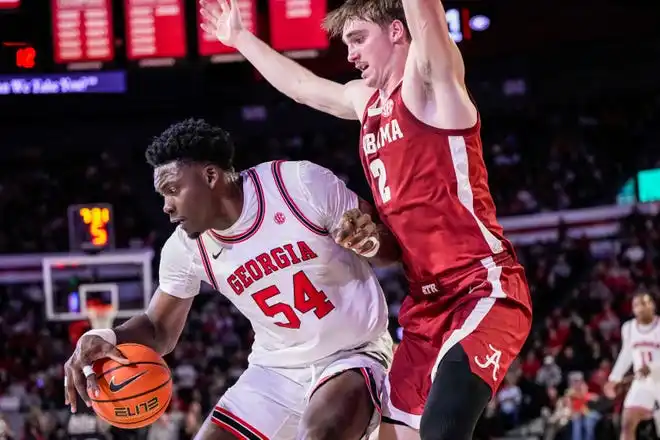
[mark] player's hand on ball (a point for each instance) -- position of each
(78, 374)
(358, 232)
(222, 19)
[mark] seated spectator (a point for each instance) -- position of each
(583, 419)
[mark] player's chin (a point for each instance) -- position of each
(193, 235)
(190, 232)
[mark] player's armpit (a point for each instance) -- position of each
(160, 326)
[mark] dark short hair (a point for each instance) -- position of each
(193, 141)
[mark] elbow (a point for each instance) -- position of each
(164, 340)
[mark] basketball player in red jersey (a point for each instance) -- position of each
(468, 312)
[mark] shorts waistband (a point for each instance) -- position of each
(437, 284)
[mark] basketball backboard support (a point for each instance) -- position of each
(115, 277)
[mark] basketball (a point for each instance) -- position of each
(134, 395)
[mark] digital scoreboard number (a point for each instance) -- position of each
(91, 227)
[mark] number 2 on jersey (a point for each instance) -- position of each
(377, 168)
(305, 299)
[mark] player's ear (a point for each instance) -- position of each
(397, 31)
(210, 175)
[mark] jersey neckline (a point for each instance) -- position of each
(226, 236)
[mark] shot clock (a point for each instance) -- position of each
(91, 227)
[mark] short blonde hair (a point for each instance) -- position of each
(381, 12)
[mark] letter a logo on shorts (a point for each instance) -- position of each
(492, 359)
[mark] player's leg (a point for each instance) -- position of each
(262, 405)
(630, 420)
(395, 431)
(405, 389)
(638, 406)
(487, 335)
(456, 400)
(344, 403)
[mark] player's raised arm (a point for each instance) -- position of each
(435, 54)
(222, 19)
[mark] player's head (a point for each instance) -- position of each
(193, 169)
(643, 306)
(376, 34)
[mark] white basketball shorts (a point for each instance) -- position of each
(643, 393)
(267, 403)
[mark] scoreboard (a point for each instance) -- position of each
(155, 29)
(82, 31)
(89, 46)
(296, 25)
(7, 4)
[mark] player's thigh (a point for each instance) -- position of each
(640, 400)
(345, 401)
(486, 336)
(263, 404)
(393, 431)
(408, 383)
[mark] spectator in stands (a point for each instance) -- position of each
(549, 374)
(509, 399)
(583, 419)
(557, 415)
(5, 430)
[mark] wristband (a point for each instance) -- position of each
(371, 253)
(107, 334)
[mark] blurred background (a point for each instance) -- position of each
(570, 99)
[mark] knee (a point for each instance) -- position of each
(629, 423)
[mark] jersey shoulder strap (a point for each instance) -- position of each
(276, 169)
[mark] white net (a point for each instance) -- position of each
(101, 316)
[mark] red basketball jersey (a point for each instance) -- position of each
(430, 187)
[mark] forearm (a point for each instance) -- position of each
(422, 13)
(389, 251)
(283, 73)
(141, 330)
(294, 80)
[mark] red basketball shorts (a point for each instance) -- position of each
(489, 314)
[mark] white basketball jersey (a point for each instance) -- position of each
(645, 345)
(306, 297)
(640, 346)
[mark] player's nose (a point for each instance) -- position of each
(168, 208)
(352, 56)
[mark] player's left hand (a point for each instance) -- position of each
(358, 232)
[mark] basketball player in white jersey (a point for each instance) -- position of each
(640, 349)
(264, 239)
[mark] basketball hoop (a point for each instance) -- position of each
(101, 315)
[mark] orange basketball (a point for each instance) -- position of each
(135, 395)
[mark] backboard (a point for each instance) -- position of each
(122, 278)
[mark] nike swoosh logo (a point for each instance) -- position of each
(115, 387)
(215, 256)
